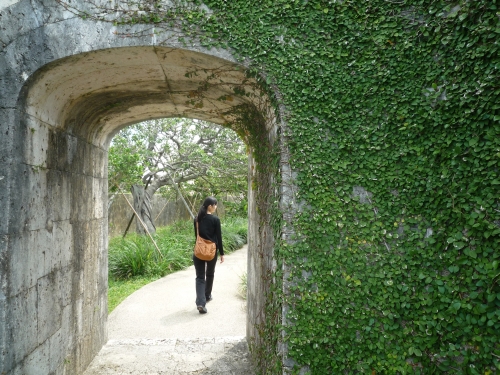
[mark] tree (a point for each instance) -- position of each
(159, 155)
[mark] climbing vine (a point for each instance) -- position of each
(393, 116)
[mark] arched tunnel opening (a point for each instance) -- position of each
(70, 110)
(161, 171)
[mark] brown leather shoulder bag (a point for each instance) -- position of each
(203, 249)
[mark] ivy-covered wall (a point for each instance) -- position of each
(393, 115)
(393, 125)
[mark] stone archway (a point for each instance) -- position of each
(65, 103)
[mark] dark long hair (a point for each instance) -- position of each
(209, 201)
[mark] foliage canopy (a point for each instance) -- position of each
(204, 158)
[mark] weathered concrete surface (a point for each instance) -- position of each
(157, 329)
(165, 212)
(6, 3)
(207, 356)
(66, 87)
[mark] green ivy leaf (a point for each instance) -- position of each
(454, 307)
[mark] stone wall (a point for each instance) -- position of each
(68, 85)
(164, 211)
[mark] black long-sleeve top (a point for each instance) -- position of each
(210, 229)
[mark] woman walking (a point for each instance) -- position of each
(209, 228)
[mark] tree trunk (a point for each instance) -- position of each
(142, 205)
(168, 180)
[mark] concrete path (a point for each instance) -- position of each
(158, 330)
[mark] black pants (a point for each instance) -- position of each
(204, 279)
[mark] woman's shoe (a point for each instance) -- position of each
(202, 309)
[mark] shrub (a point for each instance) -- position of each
(232, 241)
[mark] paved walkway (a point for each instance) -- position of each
(157, 329)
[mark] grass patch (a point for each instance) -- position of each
(118, 290)
(135, 262)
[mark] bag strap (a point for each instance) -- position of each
(197, 230)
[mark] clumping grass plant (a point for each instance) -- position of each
(242, 287)
(234, 233)
(134, 261)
